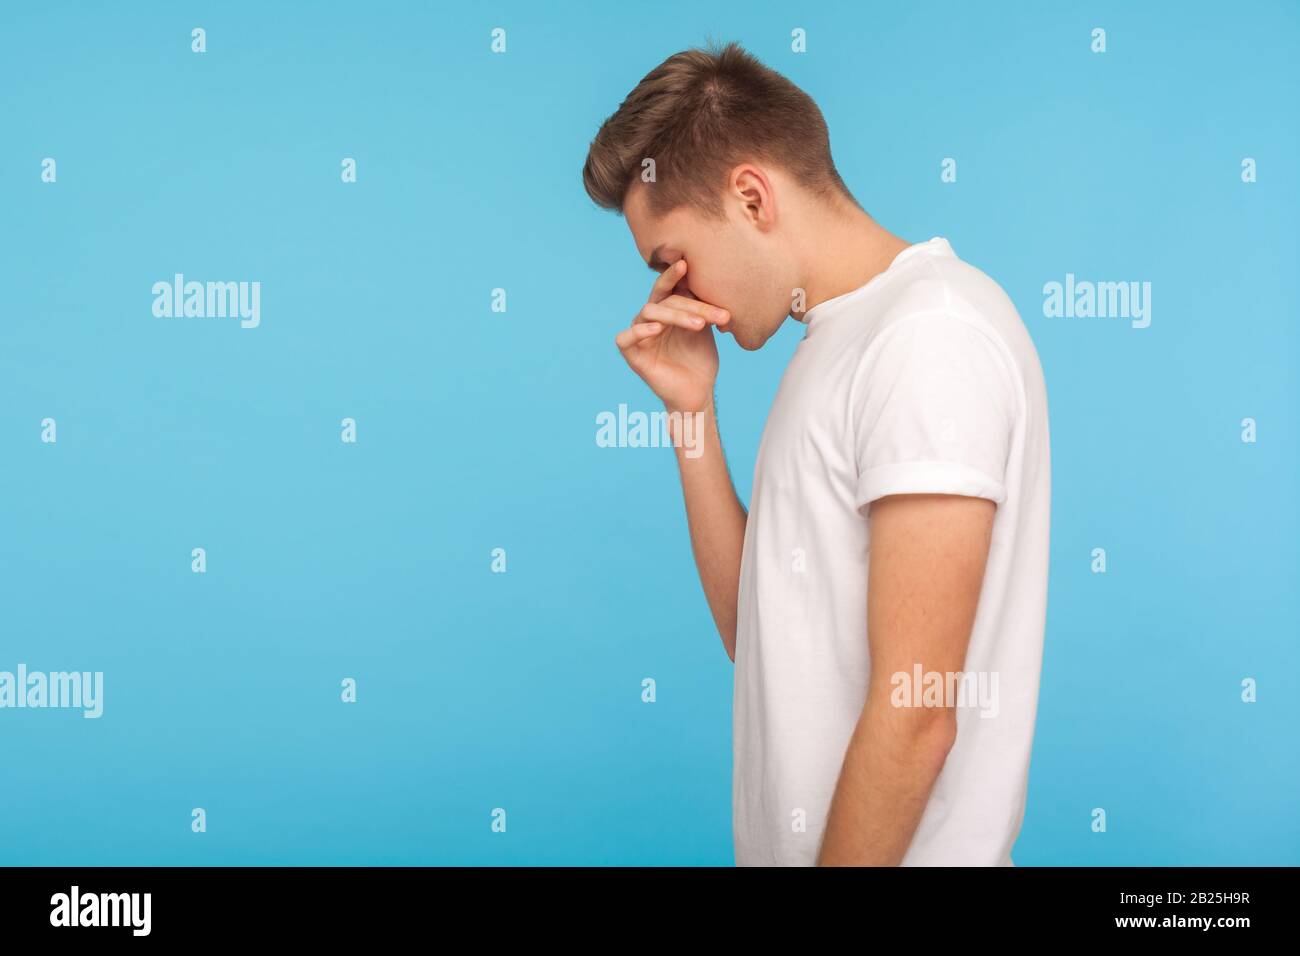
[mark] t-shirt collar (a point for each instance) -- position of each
(937, 245)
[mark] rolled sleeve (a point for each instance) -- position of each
(934, 411)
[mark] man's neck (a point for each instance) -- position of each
(846, 250)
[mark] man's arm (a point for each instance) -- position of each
(928, 554)
(717, 522)
(670, 345)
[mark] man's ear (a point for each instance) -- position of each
(752, 191)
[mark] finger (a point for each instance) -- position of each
(657, 312)
(704, 310)
(668, 280)
(637, 333)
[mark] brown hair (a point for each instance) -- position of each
(696, 115)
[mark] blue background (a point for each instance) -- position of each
(476, 429)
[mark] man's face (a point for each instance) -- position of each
(729, 263)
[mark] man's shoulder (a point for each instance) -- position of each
(934, 309)
(947, 284)
(939, 320)
(943, 295)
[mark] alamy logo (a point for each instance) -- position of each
(1084, 299)
(655, 430)
(974, 689)
(81, 689)
(209, 300)
(103, 909)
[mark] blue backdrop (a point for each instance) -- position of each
(475, 428)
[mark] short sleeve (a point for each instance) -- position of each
(934, 411)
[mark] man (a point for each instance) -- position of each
(884, 598)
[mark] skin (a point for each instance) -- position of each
(737, 274)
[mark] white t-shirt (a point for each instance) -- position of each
(923, 380)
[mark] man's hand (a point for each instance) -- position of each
(670, 343)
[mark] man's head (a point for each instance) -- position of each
(717, 159)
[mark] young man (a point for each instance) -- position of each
(884, 599)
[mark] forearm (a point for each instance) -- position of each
(890, 766)
(717, 523)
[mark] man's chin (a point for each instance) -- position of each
(745, 339)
